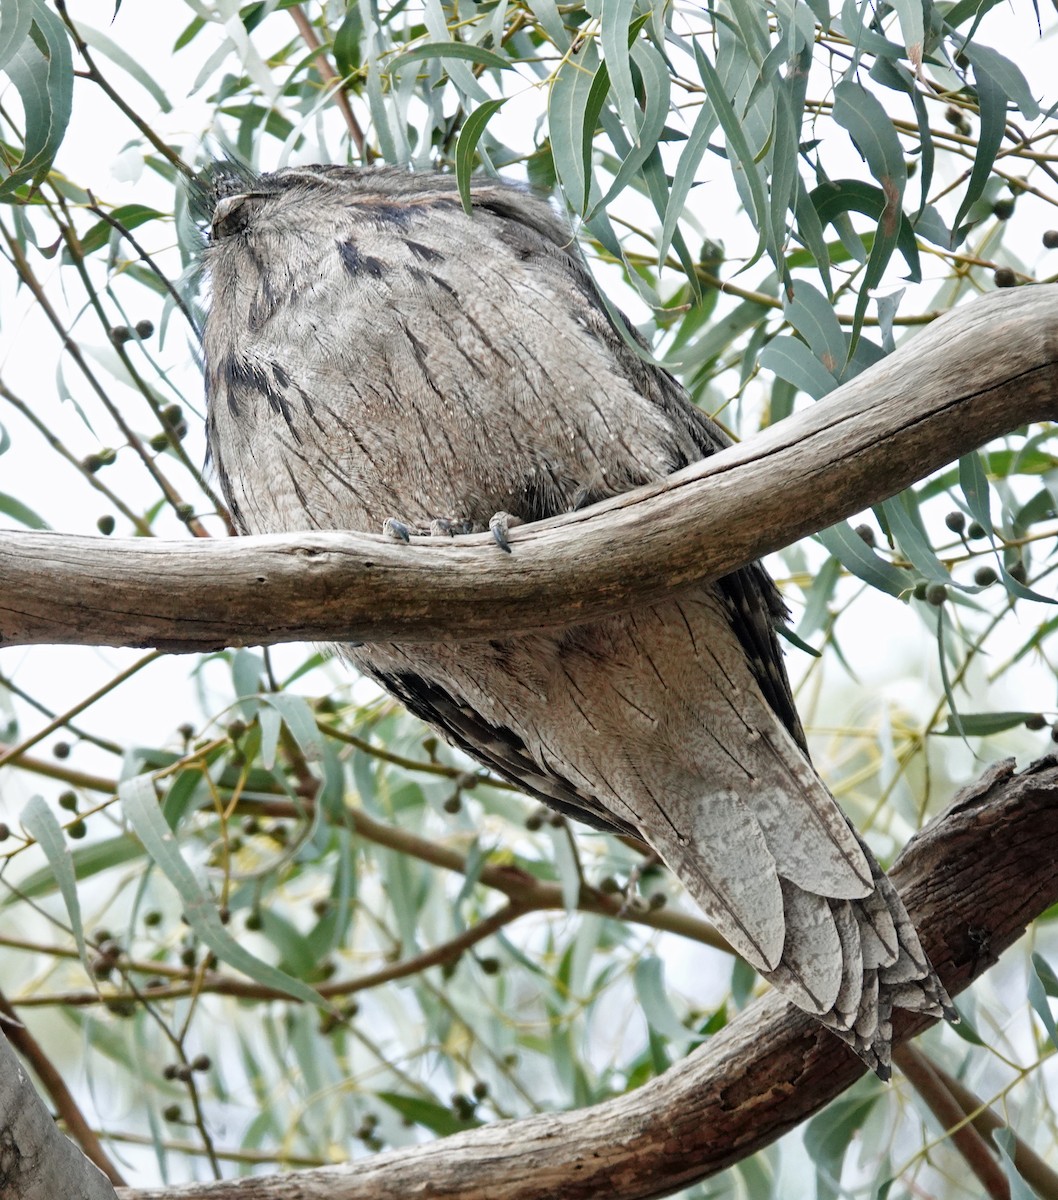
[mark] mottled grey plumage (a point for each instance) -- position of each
(374, 353)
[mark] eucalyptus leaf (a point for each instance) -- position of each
(40, 823)
(142, 811)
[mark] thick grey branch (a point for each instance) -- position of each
(37, 1160)
(972, 881)
(976, 373)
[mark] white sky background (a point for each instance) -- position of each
(889, 649)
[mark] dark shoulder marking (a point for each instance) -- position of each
(424, 253)
(357, 264)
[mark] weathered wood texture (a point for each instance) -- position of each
(37, 1161)
(978, 372)
(972, 881)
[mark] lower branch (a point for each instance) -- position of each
(966, 1137)
(972, 880)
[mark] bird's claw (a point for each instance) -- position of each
(500, 526)
(397, 530)
(401, 531)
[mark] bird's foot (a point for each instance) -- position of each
(500, 526)
(401, 531)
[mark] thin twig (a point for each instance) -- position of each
(83, 734)
(12, 752)
(164, 279)
(1032, 1168)
(29, 278)
(16, 402)
(329, 75)
(971, 1145)
(100, 81)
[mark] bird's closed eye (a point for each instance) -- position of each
(231, 216)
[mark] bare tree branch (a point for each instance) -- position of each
(972, 880)
(976, 373)
(970, 1143)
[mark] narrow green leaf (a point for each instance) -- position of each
(1007, 76)
(271, 725)
(578, 91)
(44, 81)
(130, 215)
(189, 33)
(469, 136)
(901, 514)
(546, 12)
(22, 513)
(615, 17)
(451, 50)
(1038, 992)
(428, 1113)
(856, 556)
(1007, 1144)
(810, 231)
(955, 719)
(686, 168)
(347, 40)
(788, 635)
(812, 315)
(992, 105)
(743, 165)
(983, 724)
(567, 866)
(783, 159)
(967, 10)
(792, 360)
(87, 860)
(463, 79)
(719, 335)
(1016, 588)
(871, 129)
(131, 66)
(817, 602)
(1045, 974)
(974, 484)
(41, 823)
(912, 28)
(656, 87)
(865, 40)
(654, 1000)
(141, 808)
(247, 669)
(16, 16)
(828, 1136)
(300, 720)
(966, 1029)
(392, 142)
(839, 196)
(896, 76)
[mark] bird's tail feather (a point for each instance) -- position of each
(883, 967)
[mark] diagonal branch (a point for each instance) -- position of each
(972, 880)
(976, 373)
